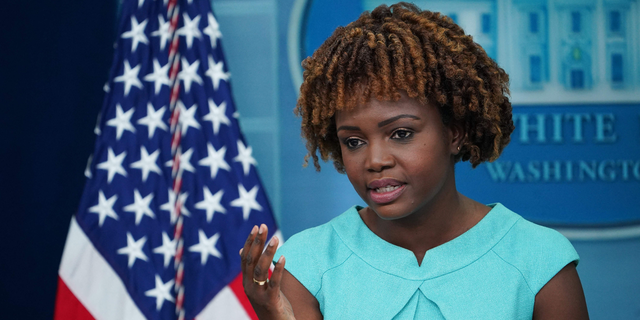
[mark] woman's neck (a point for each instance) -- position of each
(435, 224)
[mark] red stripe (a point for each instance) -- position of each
(238, 290)
(68, 306)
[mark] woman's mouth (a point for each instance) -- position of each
(382, 193)
(386, 189)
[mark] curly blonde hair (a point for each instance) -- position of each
(402, 48)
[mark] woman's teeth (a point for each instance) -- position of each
(386, 189)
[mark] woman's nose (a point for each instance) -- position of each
(378, 157)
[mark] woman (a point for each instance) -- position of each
(395, 99)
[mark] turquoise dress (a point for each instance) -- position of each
(492, 271)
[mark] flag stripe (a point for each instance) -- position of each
(238, 291)
(225, 305)
(68, 306)
(83, 270)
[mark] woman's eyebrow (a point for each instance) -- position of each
(390, 120)
(350, 128)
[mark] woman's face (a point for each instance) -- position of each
(397, 155)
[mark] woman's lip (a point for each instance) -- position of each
(386, 197)
(383, 183)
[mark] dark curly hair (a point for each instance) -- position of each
(403, 48)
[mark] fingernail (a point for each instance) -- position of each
(240, 252)
(281, 259)
(272, 242)
(262, 227)
(253, 231)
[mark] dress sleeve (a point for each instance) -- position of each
(538, 252)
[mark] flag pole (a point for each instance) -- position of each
(173, 11)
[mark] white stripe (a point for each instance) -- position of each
(93, 281)
(224, 306)
(601, 234)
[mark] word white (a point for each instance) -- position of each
(550, 127)
(567, 171)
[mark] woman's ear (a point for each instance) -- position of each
(458, 137)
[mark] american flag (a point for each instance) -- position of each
(172, 190)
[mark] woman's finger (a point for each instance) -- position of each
(255, 251)
(261, 270)
(276, 276)
(243, 254)
(249, 241)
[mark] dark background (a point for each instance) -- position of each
(55, 58)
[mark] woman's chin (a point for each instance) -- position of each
(389, 211)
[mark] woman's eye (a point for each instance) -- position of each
(353, 143)
(401, 134)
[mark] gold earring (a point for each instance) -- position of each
(458, 148)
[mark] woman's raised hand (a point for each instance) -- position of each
(264, 294)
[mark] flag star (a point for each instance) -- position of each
(87, 170)
(217, 115)
(147, 163)
(167, 249)
(163, 31)
(247, 200)
(190, 29)
(216, 72)
(104, 208)
(153, 120)
(206, 246)
(184, 161)
(171, 206)
(187, 117)
(140, 206)
(140, 3)
(215, 160)
(129, 77)
(113, 164)
(159, 76)
(136, 33)
(212, 30)
(244, 156)
(183, 201)
(122, 121)
(161, 292)
(189, 74)
(97, 130)
(211, 203)
(134, 249)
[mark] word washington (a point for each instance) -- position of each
(564, 171)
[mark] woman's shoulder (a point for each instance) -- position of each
(538, 252)
(528, 239)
